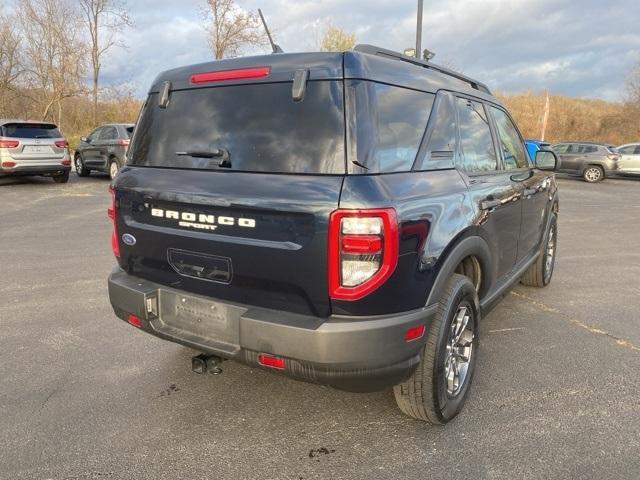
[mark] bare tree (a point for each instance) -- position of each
(633, 86)
(10, 67)
(230, 28)
(53, 54)
(103, 20)
(336, 39)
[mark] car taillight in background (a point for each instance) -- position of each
(4, 143)
(614, 157)
(124, 142)
(111, 212)
(61, 144)
(363, 251)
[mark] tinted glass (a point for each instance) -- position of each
(109, 133)
(129, 131)
(477, 153)
(387, 126)
(590, 149)
(637, 150)
(560, 148)
(30, 130)
(260, 126)
(513, 153)
(441, 144)
(627, 150)
(93, 136)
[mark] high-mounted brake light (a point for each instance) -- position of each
(9, 143)
(363, 251)
(224, 75)
(111, 212)
(61, 144)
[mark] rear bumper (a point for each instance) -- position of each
(45, 169)
(349, 353)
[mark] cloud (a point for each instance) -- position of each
(581, 48)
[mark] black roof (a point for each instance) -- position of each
(365, 62)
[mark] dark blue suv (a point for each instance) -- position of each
(340, 218)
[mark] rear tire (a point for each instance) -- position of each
(114, 168)
(540, 273)
(63, 178)
(593, 174)
(432, 393)
(81, 170)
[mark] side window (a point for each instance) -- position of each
(441, 144)
(477, 152)
(93, 136)
(637, 150)
(108, 133)
(512, 146)
(590, 149)
(559, 149)
(572, 148)
(626, 150)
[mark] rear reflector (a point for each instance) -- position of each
(61, 143)
(9, 143)
(8, 164)
(223, 75)
(414, 333)
(271, 361)
(66, 163)
(135, 321)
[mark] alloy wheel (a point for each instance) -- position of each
(113, 169)
(593, 174)
(79, 166)
(459, 350)
(550, 254)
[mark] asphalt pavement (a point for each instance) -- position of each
(85, 396)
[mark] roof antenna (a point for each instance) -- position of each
(274, 47)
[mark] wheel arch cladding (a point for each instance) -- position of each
(463, 248)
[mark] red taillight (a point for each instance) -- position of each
(66, 163)
(414, 333)
(8, 164)
(223, 75)
(613, 157)
(124, 142)
(271, 361)
(111, 212)
(9, 143)
(135, 321)
(363, 251)
(61, 143)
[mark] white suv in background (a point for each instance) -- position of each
(629, 164)
(33, 148)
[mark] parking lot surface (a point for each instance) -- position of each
(85, 396)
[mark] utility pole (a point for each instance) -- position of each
(545, 117)
(419, 31)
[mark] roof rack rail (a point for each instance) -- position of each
(383, 52)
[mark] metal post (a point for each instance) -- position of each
(419, 31)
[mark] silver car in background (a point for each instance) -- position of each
(33, 148)
(629, 163)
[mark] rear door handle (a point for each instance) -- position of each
(488, 204)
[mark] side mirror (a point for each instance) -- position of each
(546, 160)
(84, 139)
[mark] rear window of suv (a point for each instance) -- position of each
(30, 130)
(387, 125)
(260, 127)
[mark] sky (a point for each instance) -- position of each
(581, 48)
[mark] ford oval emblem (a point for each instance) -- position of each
(129, 239)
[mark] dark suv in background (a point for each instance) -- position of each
(104, 150)
(340, 218)
(592, 161)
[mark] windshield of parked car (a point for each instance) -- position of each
(30, 130)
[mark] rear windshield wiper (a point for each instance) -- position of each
(215, 153)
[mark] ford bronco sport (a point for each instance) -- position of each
(341, 218)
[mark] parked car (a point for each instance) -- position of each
(30, 148)
(629, 163)
(104, 150)
(263, 218)
(533, 146)
(592, 161)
